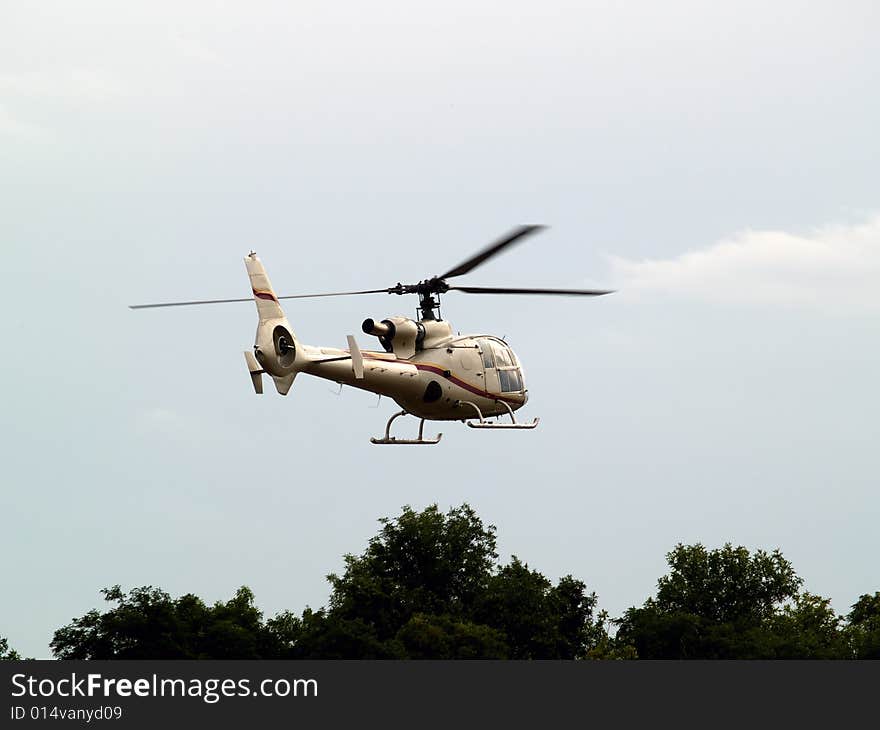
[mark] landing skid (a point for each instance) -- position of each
(389, 439)
(483, 423)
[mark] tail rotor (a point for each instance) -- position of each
(276, 349)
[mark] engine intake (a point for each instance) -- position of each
(379, 329)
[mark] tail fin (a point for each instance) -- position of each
(276, 348)
(264, 296)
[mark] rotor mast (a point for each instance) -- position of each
(428, 291)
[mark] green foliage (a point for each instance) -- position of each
(609, 647)
(806, 629)
(863, 627)
(324, 635)
(726, 585)
(429, 586)
(730, 604)
(539, 620)
(147, 623)
(443, 637)
(422, 562)
(6, 653)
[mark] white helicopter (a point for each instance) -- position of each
(431, 373)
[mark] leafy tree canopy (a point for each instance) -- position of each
(422, 562)
(6, 653)
(429, 585)
(863, 629)
(731, 604)
(725, 585)
(147, 623)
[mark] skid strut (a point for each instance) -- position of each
(483, 423)
(389, 439)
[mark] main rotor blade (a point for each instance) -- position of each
(338, 294)
(491, 250)
(509, 290)
(250, 299)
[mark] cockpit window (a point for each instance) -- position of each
(486, 349)
(499, 356)
(502, 355)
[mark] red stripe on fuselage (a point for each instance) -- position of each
(461, 383)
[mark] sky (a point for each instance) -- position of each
(717, 164)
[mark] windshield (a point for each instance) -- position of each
(498, 355)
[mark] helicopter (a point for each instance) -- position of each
(430, 372)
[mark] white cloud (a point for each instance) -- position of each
(831, 267)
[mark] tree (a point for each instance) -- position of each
(422, 562)
(429, 586)
(863, 627)
(808, 628)
(147, 623)
(539, 621)
(730, 604)
(6, 653)
(725, 585)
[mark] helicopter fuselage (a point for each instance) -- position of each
(438, 382)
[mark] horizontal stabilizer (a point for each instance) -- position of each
(255, 370)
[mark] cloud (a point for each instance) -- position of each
(837, 266)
